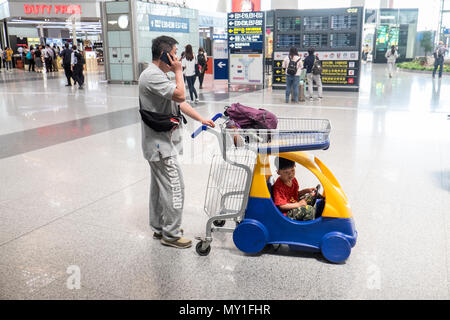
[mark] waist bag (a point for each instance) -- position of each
(161, 122)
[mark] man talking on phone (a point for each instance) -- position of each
(162, 96)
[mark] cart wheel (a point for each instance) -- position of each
(201, 252)
(335, 247)
(219, 223)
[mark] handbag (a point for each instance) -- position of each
(161, 122)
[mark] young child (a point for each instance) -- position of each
(295, 204)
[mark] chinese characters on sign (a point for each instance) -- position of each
(168, 24)
(246, 32)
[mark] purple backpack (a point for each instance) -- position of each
(250, 118)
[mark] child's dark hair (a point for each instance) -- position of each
(282, 163)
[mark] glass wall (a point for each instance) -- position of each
(154, 20)
(396, 27)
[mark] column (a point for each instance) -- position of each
(74, 31)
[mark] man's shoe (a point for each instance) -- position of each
(158, 235)
(68, 85)
(180, 243)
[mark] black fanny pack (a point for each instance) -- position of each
(161, 122)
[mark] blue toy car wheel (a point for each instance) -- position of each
(335, 247)
(250, 236)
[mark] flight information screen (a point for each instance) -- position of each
(288, 24)
(315, 40)
(315, 23)
(342, 40)
(288, 40)
(339, 22)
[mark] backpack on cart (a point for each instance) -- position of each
(250, 118)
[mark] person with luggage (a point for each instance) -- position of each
(439, 54)
(313, 67)
(391, 56)
(162, 97)
(77, 62)
(66, 55)
(189, 63)
(295, 204)
(202, 59)
(293, 67)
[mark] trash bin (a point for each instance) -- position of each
(142, 67)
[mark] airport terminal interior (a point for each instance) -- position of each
(74, 192)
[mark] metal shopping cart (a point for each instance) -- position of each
(239, 190)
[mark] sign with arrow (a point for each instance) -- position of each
(246, 32)
(220, 69)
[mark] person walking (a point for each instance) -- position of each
(30, 58)
(188, 64)
(38, 59)
(1, 59)
(161, 95)
(313, 71)
(391, 56)
(439, 54)
(293, 67)
(54, 60)
(48, 54)
(66, 55)
(202, 60)
(77, 62)
(7, 56)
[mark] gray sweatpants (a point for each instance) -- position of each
(317, 80)
(166, 197)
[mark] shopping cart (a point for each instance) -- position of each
(240, 182)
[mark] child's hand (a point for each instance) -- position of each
(302, 203)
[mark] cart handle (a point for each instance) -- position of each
(204, 126)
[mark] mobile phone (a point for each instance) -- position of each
(165, 58)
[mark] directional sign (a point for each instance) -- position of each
(220, 69)
(246, 32)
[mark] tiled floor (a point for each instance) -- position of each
(74, 195)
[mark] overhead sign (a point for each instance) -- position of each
(246, 32)
(48, 9)
(168, 24)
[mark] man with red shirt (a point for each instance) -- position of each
(293, 203)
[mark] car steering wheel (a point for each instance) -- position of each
(317, 195)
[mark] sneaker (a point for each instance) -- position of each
(311, 99)
(180, 243)
(197, 100)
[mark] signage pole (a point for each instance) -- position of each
(74, 31)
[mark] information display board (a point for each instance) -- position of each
(335, 34)
(246, 47)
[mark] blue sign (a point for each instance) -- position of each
(246, 32)
(446, 31)
(168, 24)
(220, 69)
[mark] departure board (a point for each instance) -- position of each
(335, 34)
(342, 40)
(339, 22)
(288, 40)
(315, 23)
(288, 24)
(315, 40)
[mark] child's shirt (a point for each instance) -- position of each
(282, 194)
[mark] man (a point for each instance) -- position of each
(48, 53)
(158, 93)
(66, 55)
(77, 62)
(310, 74)
(439, 54)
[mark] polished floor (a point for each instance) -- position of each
(74, 195)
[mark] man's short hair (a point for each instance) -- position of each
(311, 51)
(66, 45)
(282, 163)
(160, 44)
